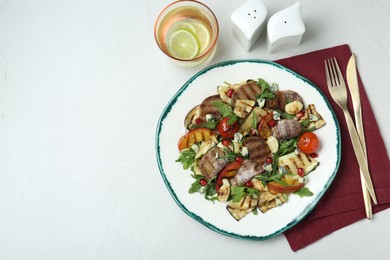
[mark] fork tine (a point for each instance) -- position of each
(337, 72)
(328, 81)
(333, 74)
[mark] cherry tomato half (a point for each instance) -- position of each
(308, 143)
(227, 130)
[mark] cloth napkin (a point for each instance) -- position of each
(343, 203)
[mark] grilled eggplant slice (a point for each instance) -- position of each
(191, 117)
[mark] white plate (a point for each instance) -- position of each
(214, 215)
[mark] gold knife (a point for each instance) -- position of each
(354, 89)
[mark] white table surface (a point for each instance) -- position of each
(82, 85)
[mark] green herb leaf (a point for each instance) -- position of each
(226, 111)
(304, 192)
(208, 190)
(238, 192)
(265, 90)
(229, 155)
(287, 146)
(210, 125)
(187, 158)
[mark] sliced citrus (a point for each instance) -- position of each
(183, 44)
(203, 35)
(182, 25)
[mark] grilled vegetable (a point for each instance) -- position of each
(194, 136)
(273, 144)
(224, 191)
(313, 117)
(293, 107)
(248, 124)
(226, 92)
(243, 107)
(242, 208)
(191, 117)
(293, 161)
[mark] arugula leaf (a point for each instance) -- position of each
(210, 125)
(226, 111)
(287, 146)
(304, 192)
(238, 192)
(187, 158)
(265, 90)
(208, 190)
(230, 155)
(195, 186)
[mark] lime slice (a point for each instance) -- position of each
(182, 25)
(203, 35)
(183, 44)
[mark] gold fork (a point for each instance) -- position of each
(338, 91)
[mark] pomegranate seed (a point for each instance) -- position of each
(269, 160)
(254, 132)
(225, 142)
(301, 172)
(198, 121)
(230, 92)
(300, 114)
(203, 182)
(249, 184)
(239, 159)
(272, 123)
(313, 155)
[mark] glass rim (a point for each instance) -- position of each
(214, 40)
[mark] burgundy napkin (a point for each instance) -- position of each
(343, 203)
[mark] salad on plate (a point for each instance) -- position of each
(250, 146)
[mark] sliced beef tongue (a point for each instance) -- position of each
(286, 129)
(207, 107)
(212, 162)
(247, 170)
(258, 149)
(247, 91)
(282, 98)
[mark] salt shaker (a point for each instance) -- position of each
(248, 22)
(285, 28)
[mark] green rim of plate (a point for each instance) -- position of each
(193, 215)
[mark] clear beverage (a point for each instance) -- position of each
(187, 31)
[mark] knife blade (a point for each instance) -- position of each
(353, 85)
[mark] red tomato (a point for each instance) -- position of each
(308, 143)
(227, 130)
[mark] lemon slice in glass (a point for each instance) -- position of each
(183, 44)
(203, 35)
